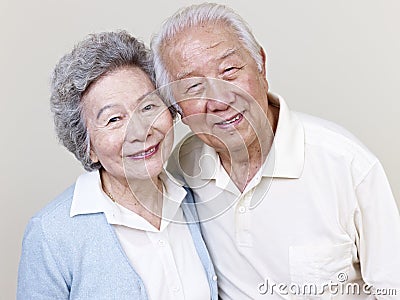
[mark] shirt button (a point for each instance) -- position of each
(161, 243)
(242, 209)
(175, 289)
(215, 278)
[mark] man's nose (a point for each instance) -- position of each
(216, 105)
(219, 95)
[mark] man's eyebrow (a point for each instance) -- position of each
(183, 74)
(140, 99)
(228, 53)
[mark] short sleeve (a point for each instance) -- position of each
(378, 224)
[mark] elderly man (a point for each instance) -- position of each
(291, 205)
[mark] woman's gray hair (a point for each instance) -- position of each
(192, 16)
(92, 58)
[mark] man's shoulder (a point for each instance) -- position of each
(188, 150)
(185, 157)
(189, 146)
(334, 139)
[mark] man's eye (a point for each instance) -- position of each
(194, 88)
(230, 69)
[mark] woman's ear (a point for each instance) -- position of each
(93, 156)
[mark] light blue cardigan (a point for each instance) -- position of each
(81, 257)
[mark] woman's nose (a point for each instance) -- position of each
(138, 130)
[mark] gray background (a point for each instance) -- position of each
(336, 59)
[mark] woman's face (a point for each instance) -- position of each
(130, 128)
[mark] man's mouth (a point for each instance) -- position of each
(145, 154)
(232, 121)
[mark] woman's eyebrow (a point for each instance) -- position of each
(103, 109)
(108, 106)
(141, 98)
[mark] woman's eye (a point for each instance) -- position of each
(148, 107)
(114, 119)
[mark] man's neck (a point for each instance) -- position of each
(243, 165)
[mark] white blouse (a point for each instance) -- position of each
(165, 259)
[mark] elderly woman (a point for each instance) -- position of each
(119, 231)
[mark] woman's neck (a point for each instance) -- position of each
(143, 197)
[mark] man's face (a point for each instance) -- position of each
(222, 94)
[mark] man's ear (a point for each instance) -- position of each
(264, 59)
(184, 119)
(264, 69)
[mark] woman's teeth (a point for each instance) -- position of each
(145, 153)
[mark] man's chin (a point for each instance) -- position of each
(227, 145)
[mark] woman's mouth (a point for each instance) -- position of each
(145, 154)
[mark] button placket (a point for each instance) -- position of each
(243, 220)
(161, 240)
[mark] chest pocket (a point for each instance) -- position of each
(312, 267)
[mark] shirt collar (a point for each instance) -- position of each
(285, 159)
(287, 155)
(89, 198)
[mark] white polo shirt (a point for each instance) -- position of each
(165, 259)
(317, 220)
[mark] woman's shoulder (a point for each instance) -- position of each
(57, 208)
(55, 225)
(53, 219)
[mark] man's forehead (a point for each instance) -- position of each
(204, 36)
(219, 57)
(197, 46)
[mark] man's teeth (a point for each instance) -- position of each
(145, 153)
(231, 120)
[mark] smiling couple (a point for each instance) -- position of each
(273, 193)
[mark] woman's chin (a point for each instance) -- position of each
(145, 172)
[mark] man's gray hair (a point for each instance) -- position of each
(92, 58)
(192, 16)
